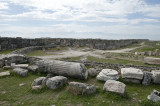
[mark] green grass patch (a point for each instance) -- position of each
(115, 61)
(6, 51)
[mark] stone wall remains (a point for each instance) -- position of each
(14, 43)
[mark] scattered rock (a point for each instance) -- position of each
(6, 67)
(37, 87)
(92, 72)
(3, 92)
(108, 74)
(22, 84)
(114, 86)
(156, 76)
(147, 78)
(38, 81)
(20, 71)
(154, 96)
(2, 74)
(56, 82)
(33, 68)
(132, 75)
(81, 88)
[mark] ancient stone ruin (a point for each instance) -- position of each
(58, 72)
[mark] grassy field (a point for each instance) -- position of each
(115, 61)
(6, 51)
(23, 95)
(149, 46)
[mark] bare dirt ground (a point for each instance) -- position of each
(84, 52)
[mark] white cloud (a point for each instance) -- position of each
(3, 5)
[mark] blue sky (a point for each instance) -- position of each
(105, 19)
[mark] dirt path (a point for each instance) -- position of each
(85, 52)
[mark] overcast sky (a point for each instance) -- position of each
(105, 19)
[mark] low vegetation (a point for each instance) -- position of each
(115, 61)
(13, 94)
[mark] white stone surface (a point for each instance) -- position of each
(114, 86)
(156, 76)
(108, 74)
(132, 73)
(7, 73)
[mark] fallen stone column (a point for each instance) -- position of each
(152, 60)
(68, 69)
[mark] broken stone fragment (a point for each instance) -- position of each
(20, 71)
(147, 78)
(19, 65)
(2, 74)
(108, 74)
(56, 82)
(38, 81)
(132, 75)
(78, 88)
(154, 96)
(114, 86)
(92, 72)
(33, 68)
(37, 87)
(156, 76)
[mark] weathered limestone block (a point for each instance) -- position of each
(92, 72)
(38, 81)
(108, 74)
(68, 69)
(2, 74)
(19, 66)
(152, 60)
(157, 51)
(114, 86)
(147, 78)
(15, 58)
(150, 53)
(33, 68)
(132, 75)
(20, 71)
(156, 76)
(154, 96)
(56, 82)
(78, 88)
